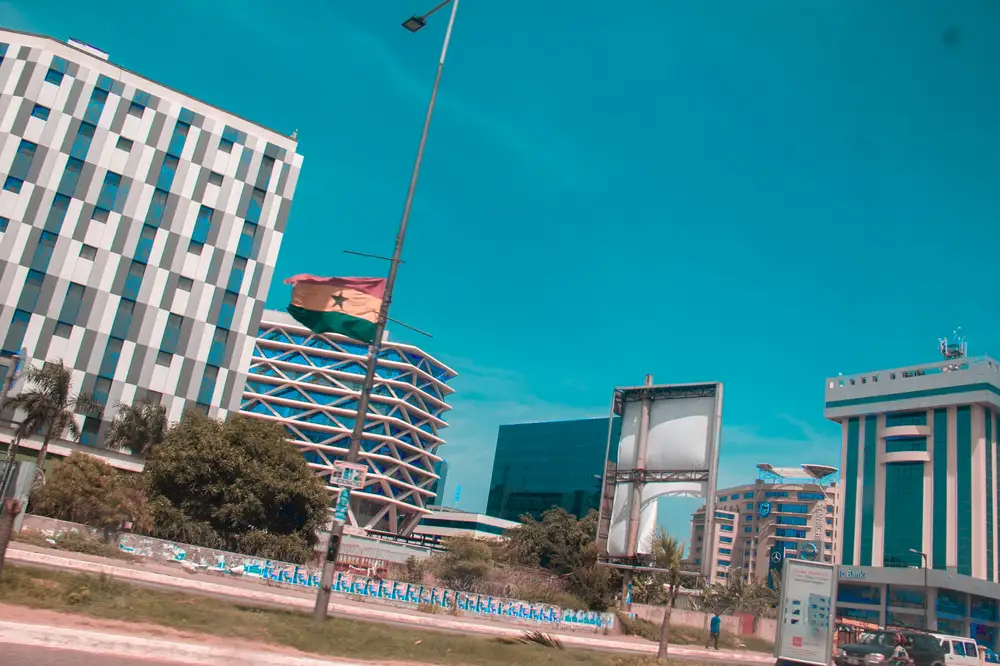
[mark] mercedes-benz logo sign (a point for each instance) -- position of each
(775, 557)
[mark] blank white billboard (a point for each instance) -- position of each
(682, 437)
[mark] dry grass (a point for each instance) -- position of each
(105, 598)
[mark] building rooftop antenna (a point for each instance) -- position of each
(953, 347)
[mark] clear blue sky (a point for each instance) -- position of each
(764, 193)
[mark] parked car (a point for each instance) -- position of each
(874, 647)
(959, 651)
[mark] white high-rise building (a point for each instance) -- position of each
(139, 229)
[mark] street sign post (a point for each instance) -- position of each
(349, 475)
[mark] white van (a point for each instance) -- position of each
(959, 651)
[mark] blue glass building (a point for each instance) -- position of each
(538, 466)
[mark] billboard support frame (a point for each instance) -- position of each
(640, 476)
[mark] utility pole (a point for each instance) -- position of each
(635, 505)
(354, 451)
(8, 384)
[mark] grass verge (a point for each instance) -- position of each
(106, 598)
(76, 543)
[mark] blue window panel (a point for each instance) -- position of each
(60, 64)
(750, 506)
(230, 134)
(53, 76)
(57, 213)
(202, 225)
(167, 172)
(102, 389)
(178, 138)
(172, 334)
(244, 248)
(95, 106)
(70, 177)
(133, 280)
(15, 334)
(904, 483)
(207, 388)
(963, 443)
(747, 530)
(255, 205)
(40, 112)
(143, 98)
(4, 221)
(186, 116)
(105, 82)
(726, 528)
(81, 144)
(868, 489)
(228, 310)
(237, 274)
(71, 304)
(811, 496)
(217, 352)
(3, 51)
(109, 363)
(157, 206)
(12, 184)
(145, 246)
(123, 318)
(940, 518)
(109, 191)
(792, 520)
(22, 159)
(32, 288)
(43, 251)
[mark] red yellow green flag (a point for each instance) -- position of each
(345, 305)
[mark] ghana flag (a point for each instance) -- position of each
(348, 305)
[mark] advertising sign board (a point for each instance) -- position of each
(342, 505)
(806, 612)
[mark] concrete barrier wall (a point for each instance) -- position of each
(731, 624)
(357, 582)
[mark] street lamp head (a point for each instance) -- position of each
(414, 23)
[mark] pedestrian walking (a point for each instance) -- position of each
(715, 628)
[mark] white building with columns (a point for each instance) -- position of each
(919, 487)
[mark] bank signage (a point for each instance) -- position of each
(852, 574)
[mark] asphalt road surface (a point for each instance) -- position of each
(20, 655)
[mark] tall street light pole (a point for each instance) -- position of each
(412, 24)
(927, 600)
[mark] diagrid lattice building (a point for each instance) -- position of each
(310, 384)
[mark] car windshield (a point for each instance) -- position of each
(881, 639)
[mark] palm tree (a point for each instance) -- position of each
(668, 551)
(137, 428)
(50, 405)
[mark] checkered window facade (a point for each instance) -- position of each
(140, 229)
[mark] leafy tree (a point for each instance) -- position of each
(667, 552)
(137, 428)
(738, 597)
(564, 545)
(50, 405)
(84, 489)
(236, 485)
(465, 562)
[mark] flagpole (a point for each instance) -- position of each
(354, 451)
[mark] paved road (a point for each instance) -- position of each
(20, 655)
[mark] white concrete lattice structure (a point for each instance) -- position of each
(310, 384)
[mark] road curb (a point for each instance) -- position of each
(354, 612)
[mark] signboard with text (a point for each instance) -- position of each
(342, 505)
(348, 475)
(806, 612)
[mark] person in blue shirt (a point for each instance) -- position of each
(715, 628)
